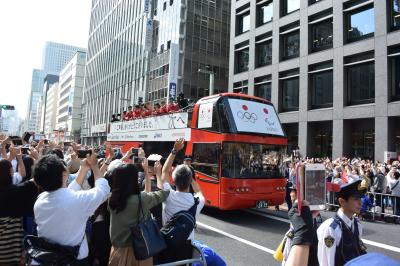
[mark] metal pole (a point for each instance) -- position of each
(211, 89)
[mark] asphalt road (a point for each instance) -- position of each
(251, 237)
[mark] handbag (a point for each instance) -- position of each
(278, 254)
(46, 253)
(147, 240)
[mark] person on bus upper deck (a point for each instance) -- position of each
(172, 107)
(136, 112)
(339, 238)
(148, 110)
(156, 109)
(129, 113)
(163, 108)
(125, 116)
(118, 117)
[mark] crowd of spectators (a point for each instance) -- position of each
(148, 109)
(72, 197)
(380, 182)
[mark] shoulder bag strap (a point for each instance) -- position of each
(140, 208)
(395, 186)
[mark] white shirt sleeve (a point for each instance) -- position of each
(91, 199)
(75, 186)
(17, 178)
(167, 186)
(326, 255)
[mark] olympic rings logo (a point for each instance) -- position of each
(247, 117)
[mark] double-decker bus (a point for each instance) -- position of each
(236, 141)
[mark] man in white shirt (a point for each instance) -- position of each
(181, 198)
(61, 213)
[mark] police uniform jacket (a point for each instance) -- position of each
(330, 240)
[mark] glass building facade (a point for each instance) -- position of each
(188, 36)
(117, 61)
(138, 50)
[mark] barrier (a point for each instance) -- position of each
(382, 203)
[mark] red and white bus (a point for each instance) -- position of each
(236, 141)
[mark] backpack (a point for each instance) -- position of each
(177, 230)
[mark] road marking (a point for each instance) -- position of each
(244, 241)
(366, 241)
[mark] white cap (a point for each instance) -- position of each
(154, 157)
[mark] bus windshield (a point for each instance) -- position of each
(248, 160)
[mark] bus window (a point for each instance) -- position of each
(206, 158)
(248, 160)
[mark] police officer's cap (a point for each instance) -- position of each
(352, 189)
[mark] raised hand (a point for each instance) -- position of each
(158, 168)
(179, 144)
(145, 165)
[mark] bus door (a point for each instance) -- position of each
(206, 163)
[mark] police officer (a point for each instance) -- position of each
(339, 238)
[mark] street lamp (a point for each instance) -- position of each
(211, 73)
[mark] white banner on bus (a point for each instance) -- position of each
(205, 115)
(159, 135)
(255, 117)
(170, 121)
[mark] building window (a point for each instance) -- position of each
(394, 6)
(165, 6)
(360, 78)
(242, 57)
(241, 87)
(290, 41)
(359, 20)
(321, 85)
(289, 91)
(264, 50)
(171, 2)
(243, 19)
(264, 12)
(289, 6)
(262, 87)
(394, 64)
(321, 31)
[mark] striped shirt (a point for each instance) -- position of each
(11, 234)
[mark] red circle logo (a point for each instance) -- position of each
(265, 110)
(245, 107)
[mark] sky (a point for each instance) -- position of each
(25, 26)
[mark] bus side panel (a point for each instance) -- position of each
(210, 189)
(244, 193)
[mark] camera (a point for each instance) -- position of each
(135, 152)
(83, 153)
(24, 150)
(17, 141)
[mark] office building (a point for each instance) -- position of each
(188, 36)
(47, 106)
(115, 73)
(330, 67)
(55, 57)
(69, 107)
(34, 96)
(142, 51)
(50, 110)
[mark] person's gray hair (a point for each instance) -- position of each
(182, 176)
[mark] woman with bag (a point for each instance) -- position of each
(130, 208)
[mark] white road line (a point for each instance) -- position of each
(244, 241)
(366, 241)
